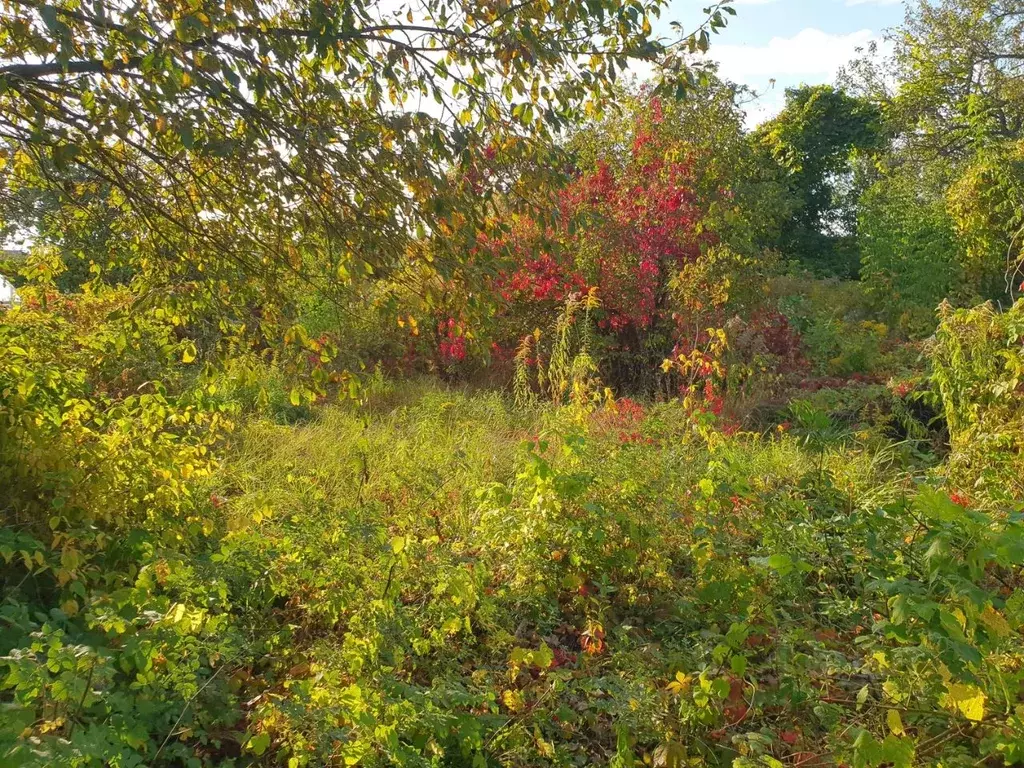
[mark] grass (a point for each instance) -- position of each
(459, 581)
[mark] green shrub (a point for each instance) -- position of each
(839, 329)
(444, 578)
(112, 626)
(978, 371)
(910, 255)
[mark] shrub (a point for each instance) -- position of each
(656, 222)
(910, 256)
(627, 232)
(112, 626)
(987, 206)
(978, 372)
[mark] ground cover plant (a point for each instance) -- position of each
(569, 422)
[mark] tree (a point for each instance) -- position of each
(960, 64)
(307, 140)
(660, 220)
(962, 106)
(810, 143)
(708, 129)
(956, 118)
(83, 233)
(909, 248)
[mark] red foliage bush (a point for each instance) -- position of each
(625, 227)
(451, 342)
(638, 227)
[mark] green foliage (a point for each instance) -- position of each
(909, 250)
(977, 370)
(987, 206)
(436, 576)
(945, 211)
(227, 156)
(109, 628)
(810, 143)
(957, 62)
(563, 371)
(839, 329)
(807, 551)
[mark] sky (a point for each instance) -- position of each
(788, 41)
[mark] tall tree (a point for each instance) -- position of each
(960, 64)
(956, 117)
(304, 137)
(810, 144)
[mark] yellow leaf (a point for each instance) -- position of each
(969, 700)
(995, 623)
(895, 722)
(513, 700)
(680, 684)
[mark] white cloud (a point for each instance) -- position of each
(810, 53)
(753, 2)
(874, 2)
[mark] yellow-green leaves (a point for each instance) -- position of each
(968, 700)
(160, 111)
(259, 743)
(680, 683)
(895, 722)
(540, 658)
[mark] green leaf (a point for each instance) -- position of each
(543, 656)
(48, 14)
(899, 752)
(259, 743)
(738, 664)
(862, 696)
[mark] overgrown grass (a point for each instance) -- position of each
(457, 581)
(441, 577)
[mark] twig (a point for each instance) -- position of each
(81, 702)
(184, 709)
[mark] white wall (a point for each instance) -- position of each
(7, 294)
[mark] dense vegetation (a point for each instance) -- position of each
(563, 421)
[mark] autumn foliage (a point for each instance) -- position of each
(625, 228)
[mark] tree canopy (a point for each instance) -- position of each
(811, 142)
(302, 137)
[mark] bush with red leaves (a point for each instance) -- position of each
(626, 228)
